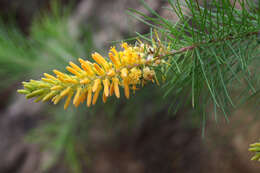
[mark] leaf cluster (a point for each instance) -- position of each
(215, 52)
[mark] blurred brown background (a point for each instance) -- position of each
(159, 145)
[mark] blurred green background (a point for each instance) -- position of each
(137, 135)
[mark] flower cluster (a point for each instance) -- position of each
(130, 68)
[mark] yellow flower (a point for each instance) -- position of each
(89, 98)
(106, 87)
(96, 85)
(126, 88)
(127, 68)
(148, 74)
(124, 73)
(135, 75)
(116, 87)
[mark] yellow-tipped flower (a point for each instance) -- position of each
(128, 68)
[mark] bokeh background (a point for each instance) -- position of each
(137, 135)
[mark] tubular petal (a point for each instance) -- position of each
(124, 73)
(114, 60)
(49, 76)
(23, 91)
(95, 97)
(104, 98)
(73, 71)
(49, 96)
(126, 88)
(86, 66)
(65, 92)
(48, 80)
(111, 73)
(111, 90)
(35, 93)
(84, 81)
(106, 87)
(57, 99)
(116, 88)
(57, 87)
(100, 60)
(69, 80)
(74, 66)
(96, 85)
(99, 71)
(67, 102)
(89, 97)
(58, 73)
(76, 97)
(82, 97)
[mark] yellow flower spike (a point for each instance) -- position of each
(126, 88)
(96, 85)
(99, 70)
(89, 97)
(106, 87)
(67, 102)
(73, 71)
(116, 87)
(76, 97)
(128, 68)
(95, 97)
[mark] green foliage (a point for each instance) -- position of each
(214, 53)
